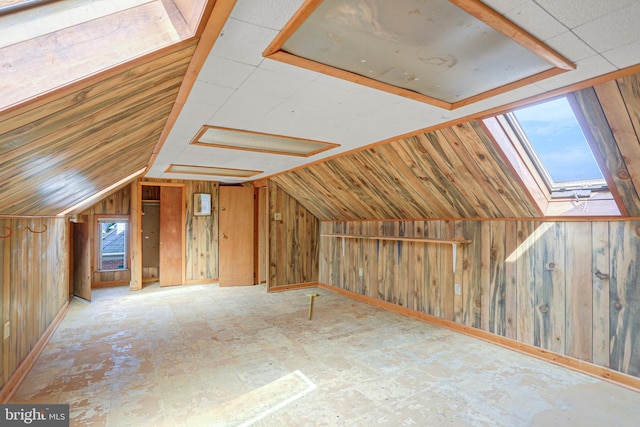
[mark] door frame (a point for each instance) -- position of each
(136, 230)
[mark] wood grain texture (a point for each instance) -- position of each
(624, 297)
(293, 242)
(621, 184)
(35, 284)
(171, 232)
(80, 142)
(566, 288)
(453, 173)
(201, 234)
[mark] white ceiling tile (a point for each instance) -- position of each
(616, 29)
(504, 6)
(289, 70)
(624, 56)
(224, 72)
(209, 94)
(243, 42)
(270, 14)
(587, 68)
(570, 46)
(536, 21)
(577, 12)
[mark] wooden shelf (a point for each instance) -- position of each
(455, 241)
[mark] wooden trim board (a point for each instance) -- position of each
(284, 288)
(21, 372)
(581, 366)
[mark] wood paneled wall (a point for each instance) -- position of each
(569, 287)
(293, 241)
(201, 255)
(118, 203)
(34, 274)
(202, 234)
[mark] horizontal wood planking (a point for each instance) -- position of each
(293, 241)
(35, 284)
(451, 173)
(544, 284)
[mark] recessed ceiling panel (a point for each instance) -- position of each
(262, 142)
(212, 171)
(432, 50)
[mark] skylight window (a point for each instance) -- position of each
(552, 136)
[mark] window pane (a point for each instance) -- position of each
(556, 137)
(113, 245)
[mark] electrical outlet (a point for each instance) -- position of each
(7, 329)
(360, 272)
(458, 289)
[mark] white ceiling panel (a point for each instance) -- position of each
(243, 42)
(573, 13)
(610, 31)
(536, 20)
(270, 14)
(224, 72)
(238, 88)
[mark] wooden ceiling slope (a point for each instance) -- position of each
(71, 144)
(456, 172)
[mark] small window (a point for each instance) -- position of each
(554, 140)
(113, 242)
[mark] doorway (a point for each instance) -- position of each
(162, 219)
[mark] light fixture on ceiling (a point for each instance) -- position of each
(236, 139)
(211, 171)
(446, 53)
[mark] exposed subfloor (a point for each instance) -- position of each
(208, 356)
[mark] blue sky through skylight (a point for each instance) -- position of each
(556, 136)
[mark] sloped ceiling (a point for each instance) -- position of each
(66, 147)
(456, 172)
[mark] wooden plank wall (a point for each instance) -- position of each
(34, 274)
(118, 203)
(569, 287)
(201, 232)
(293, 241)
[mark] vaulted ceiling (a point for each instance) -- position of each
(422, 161)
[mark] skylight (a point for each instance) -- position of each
(73, 39)
(552, 136)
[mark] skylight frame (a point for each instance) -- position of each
(596, 185)
(483, 14)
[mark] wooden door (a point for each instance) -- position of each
(171, 226)
(81, 261)
(236, 240)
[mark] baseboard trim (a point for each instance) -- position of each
(23, 369)
(109, 284)
(578, 365)
(293, 287)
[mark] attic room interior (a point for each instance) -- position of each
(321, 212)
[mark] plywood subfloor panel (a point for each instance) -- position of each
(214, 356)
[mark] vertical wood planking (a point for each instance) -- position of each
(494, 303)
(601, 279)
(625, 297)
(525, 260)
(471, 274)
(579, 285)
(511, 279)
(550, 286)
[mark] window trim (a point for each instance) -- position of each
(97, 246)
